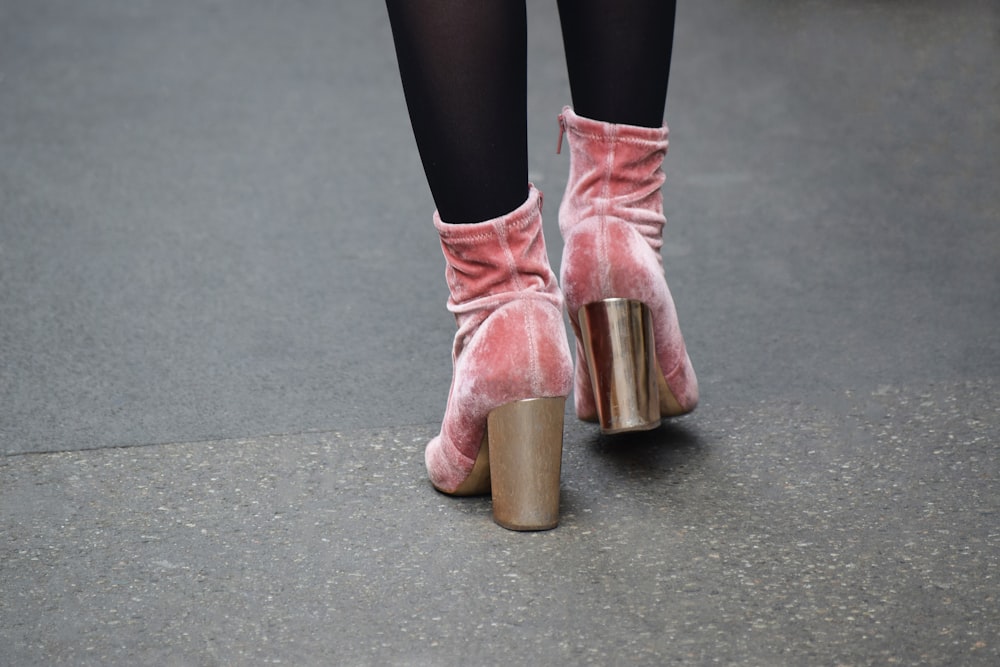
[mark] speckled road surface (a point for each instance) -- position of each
(223, 346)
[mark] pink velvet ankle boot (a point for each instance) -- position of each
(632, 365)
(502, 429)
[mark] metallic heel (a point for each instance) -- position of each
(525, 451)
(621, 357)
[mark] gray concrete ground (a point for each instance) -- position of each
(223, 345)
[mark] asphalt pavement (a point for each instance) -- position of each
(224, 344)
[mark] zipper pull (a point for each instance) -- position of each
(562, 131)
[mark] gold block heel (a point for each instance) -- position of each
(621, 357)
(525, 451)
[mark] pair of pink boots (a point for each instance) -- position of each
(502, 428)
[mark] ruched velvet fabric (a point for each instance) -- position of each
(511, 341)
(612, 221)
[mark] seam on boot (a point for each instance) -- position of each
(609, 161)
(533, 370)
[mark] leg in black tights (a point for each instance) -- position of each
(618, 58)
(463, 64)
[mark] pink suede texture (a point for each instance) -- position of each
(611, 219)
(511, 341)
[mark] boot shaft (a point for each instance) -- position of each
(492, 262)
(615, 174)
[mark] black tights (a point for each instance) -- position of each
(463, 64)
